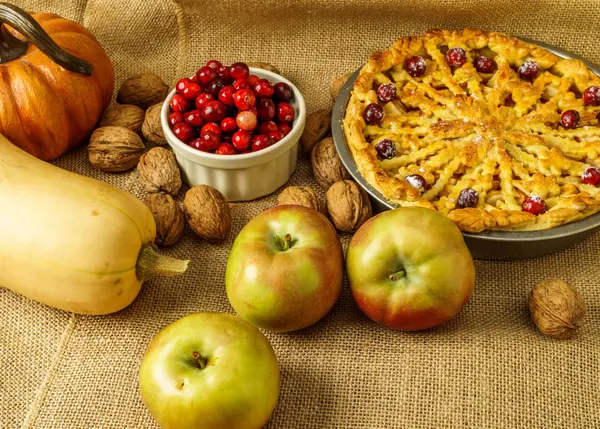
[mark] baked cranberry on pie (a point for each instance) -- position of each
(494, 132)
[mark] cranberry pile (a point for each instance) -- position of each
(228, 111)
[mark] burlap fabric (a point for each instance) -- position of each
(488, 368)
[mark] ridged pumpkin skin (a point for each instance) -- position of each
(68, 241)
(45, 109)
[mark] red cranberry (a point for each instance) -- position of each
(529, 70)
(179, 103)
(239, 70)
(182, 84)
(194, 118)
(484, 64)
(386, 92)
(184, 132)
(215, 87)
(416, 66)
(591, 176)
(265, 109)
(226, 149)
(244, 99)
(228, 125)
(283, 92)
(213, 111)
(267, 127)
(417, 181)
(175, 118)
(241, 84)
(192, 91)
(226, 95)
(261, 141)
(570, 119)
(206, 75)
(210, 141)
(468, 197)
(212, 127)
(197, 144)
(535, 205)
(276, 136)
(224, 74)
(591, 96)
(214, 64)
(194, 79)
(456, 57)
(202, 99)
(246, 120)
(252, 79)
(241, 140)
(263, 88)
(373, 114)
(284, 129)
(285, 112)
(386, 149)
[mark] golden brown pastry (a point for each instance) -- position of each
(493, 132)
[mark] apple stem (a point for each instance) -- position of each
(397, 275)
(285, 242)
(201, 361)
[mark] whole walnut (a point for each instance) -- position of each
(264, 66)
(317, 126)
(326, 164)
(301, 196)
(556, 308)
(143, 90)
(152, 127)
(124, 115)
(115, 149)
(348, 205)
(168, 216)
(337, 85)
(207, 212)
(158, 171)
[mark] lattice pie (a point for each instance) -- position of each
(491, 131)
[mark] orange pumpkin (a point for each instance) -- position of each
(55, 82)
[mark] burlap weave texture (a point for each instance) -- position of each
(487, 368)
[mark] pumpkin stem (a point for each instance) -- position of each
(12, 48)
(152, 264)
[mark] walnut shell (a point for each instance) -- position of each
(115, 149)
(348, 205)
(124, 115)
(168, 216)
(326, 164)
(207, 212)
(317, 126)
(152, 127)
(337, 84)
(556, 308)
(301, 196)
(143, 90)
(264, 66)
(158, 171)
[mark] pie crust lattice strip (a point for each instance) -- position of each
(494, 132)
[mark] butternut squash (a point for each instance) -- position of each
(70, 241)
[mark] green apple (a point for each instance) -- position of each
(410, 269)
(285, 269)
(209, 371)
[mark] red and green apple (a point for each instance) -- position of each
(410, 269)
(285, 269)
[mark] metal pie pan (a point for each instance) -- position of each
(492, 245)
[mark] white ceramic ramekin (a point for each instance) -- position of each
(247, 176)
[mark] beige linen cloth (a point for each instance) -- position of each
(487, 368)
